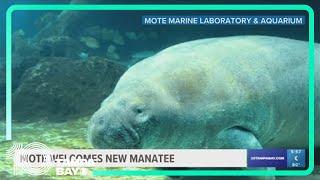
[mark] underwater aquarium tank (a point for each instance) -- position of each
(159, 92)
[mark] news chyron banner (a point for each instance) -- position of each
(161, 158)
(159, 90)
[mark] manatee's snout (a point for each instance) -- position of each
(111, 131)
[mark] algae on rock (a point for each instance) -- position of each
(56, 89)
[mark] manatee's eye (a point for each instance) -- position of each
(141, 113)
(138, 109)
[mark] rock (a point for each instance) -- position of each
(19, 33)
(59, 46)
(42, 21)
(66, 23)
(22, 46)
(19, 66)
(57, 89)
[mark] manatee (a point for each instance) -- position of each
(246, 92)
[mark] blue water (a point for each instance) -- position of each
(25, 18)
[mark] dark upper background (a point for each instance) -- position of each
(26, 17)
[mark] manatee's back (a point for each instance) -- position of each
(253, 61)
(269, 68)
(236, 53)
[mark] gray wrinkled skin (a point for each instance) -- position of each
(233, 92)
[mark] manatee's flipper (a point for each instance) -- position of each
(238, 138)
(235, 138)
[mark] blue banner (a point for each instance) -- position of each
(223, 20)
(296, 158)
(279, 158)
(267, 158)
